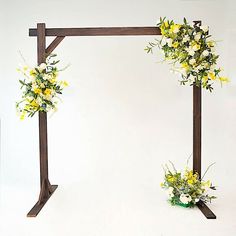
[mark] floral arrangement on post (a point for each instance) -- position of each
(190, 51)
(186, 189)
(40, 88)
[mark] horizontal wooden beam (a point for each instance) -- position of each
(99, 31)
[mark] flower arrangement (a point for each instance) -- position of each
(186, 189)
(40, 88)
(190, 51)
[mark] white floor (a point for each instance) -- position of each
(99, 209)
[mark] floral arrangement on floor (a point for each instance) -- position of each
(186, 189)
(40, 88)
(190, 51)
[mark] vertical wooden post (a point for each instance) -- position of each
(197, 139)
(46, 189)
(197, 128)
(43, 142)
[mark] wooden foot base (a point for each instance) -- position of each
(39, 205)
(205, 210)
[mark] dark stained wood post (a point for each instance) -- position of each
(197, 139)
(197, 128)
(197, 123)
(46, 189)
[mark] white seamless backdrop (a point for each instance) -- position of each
(122, 117)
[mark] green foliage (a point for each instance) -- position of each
(190, 52)
(40, 88)
(186, 188)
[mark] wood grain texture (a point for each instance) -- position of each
(205, 210)
(197, 129)
(99, 31)
(40, 204)
(46, 189)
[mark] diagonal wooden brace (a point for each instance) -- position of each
(54, 44)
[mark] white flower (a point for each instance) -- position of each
(197, 37)
(213, 50)
(34, 86)
(191, 78)
(42, 66)
(190, 51)
(192, 61)
(169, 42)
(170, 189)
(205, 28)
(196, 200)
(46, 77)
(169, 192)
(39, 101)
(163, 41)
(42, 85)
(186, 38)
(212, 67)
(200, 67)
(195, 47)
(205, 53)
(185, 198)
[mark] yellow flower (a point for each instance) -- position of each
(32, 72)
(190, 181)
(37, 91)
(204, 79)
(224, 79)
(34, 103)
(207, 184)
(197, 46)
(22, 116)
(161, 184)
(211, 43)
(25, 68)
(211, 75)
(171, 179)
(166, 24)
(175, 44)
(47, 92)
(185, 65)
(53, 80)
(64, 83)
(162, 30)
(175, 28)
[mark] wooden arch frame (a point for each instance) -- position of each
(41, 32)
